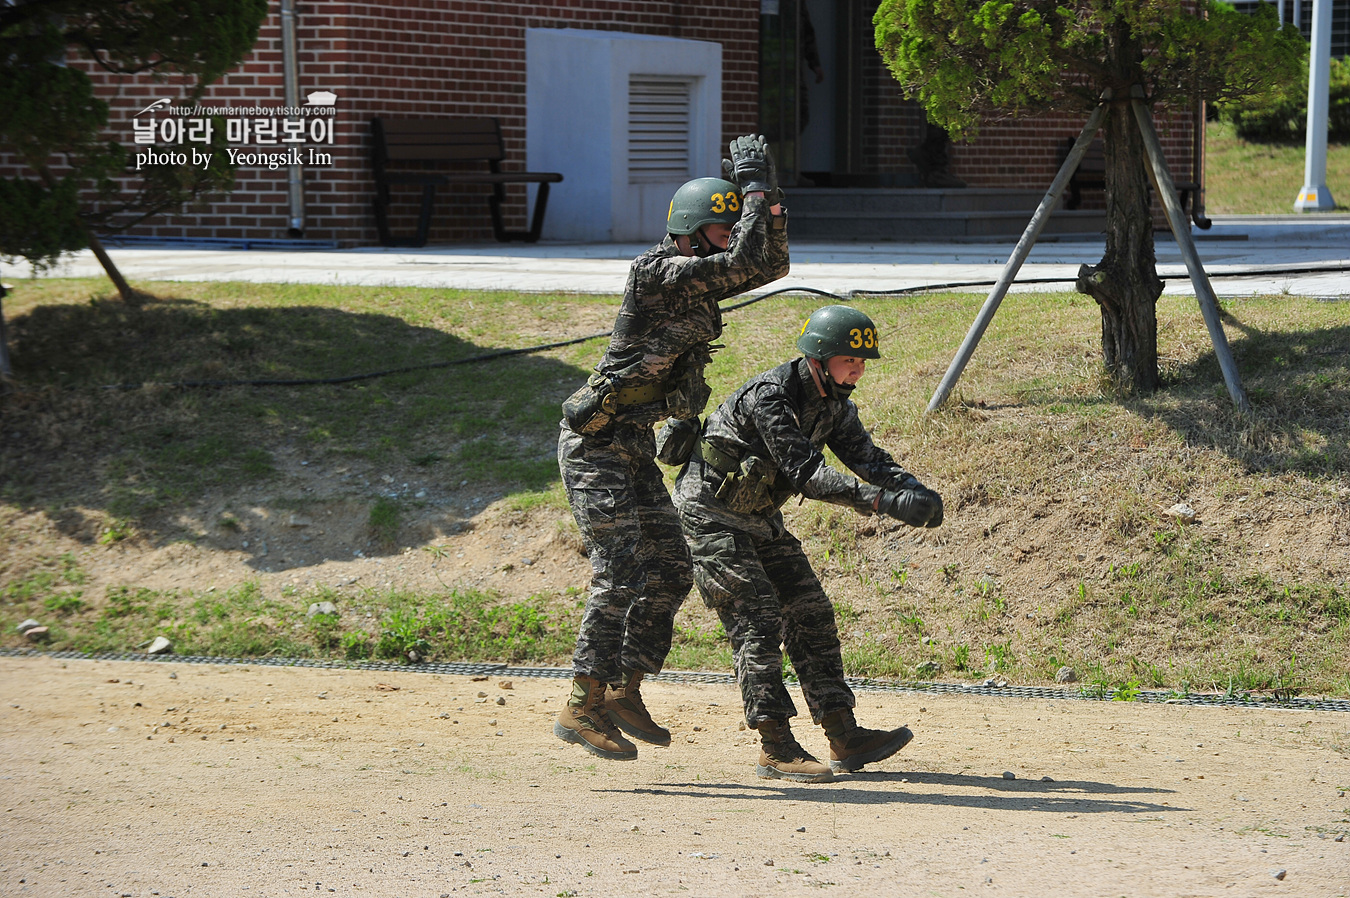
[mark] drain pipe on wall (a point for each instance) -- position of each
(290, 65)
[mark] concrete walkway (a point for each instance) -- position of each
(1244, 255)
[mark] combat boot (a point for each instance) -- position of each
(583, 721)
(627, 711)
(783, 758)
(852, 746)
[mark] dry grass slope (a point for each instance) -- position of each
(1057, 550)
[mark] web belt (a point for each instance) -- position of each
(719, 460)
(639, 395)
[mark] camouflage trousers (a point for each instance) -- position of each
(762, 586)
(640, 565)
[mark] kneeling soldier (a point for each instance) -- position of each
(761, 447)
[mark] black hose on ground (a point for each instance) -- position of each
(505, 353)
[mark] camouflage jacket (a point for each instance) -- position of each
(670, 304)
(781, 417)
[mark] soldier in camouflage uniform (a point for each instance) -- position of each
(724, 238)
(760, 448)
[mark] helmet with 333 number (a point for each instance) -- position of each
(839, 330)
(703, 201)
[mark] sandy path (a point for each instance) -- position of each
(274, 781)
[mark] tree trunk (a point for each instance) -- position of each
(130, 295)
(1125, 283)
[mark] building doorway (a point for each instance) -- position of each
(830, 109)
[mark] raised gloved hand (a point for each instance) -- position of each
(753, 167)
(916, 507)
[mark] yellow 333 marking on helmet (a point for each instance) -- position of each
(862, 338)
(722, 202)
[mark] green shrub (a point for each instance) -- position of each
(1282, 117)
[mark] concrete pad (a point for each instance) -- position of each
(1306, 255)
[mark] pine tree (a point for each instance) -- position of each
(52, 121)
(967, 59)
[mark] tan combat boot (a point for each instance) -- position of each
(583, 721)
(852, 746)
(783, 758)
(627, 711)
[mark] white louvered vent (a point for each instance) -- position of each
(659, 129)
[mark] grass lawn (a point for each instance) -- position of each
(1057, 548)
(1243, 178)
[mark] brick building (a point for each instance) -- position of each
(468, 58)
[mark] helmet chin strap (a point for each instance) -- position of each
(696, 241)
(837, 390)
(826, 383)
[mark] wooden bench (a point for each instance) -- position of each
(1091, 175)
(411, 146)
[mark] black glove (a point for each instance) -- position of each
(914, 507)
(936, 519)
(896, 484)
(753, 167)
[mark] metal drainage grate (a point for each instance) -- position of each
(712, 678)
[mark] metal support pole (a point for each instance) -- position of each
(1315, 195)
(1181, 230)
(290, 62)
(1019, 255)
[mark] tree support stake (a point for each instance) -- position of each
(1166, 189)
(1181, 230)
(6, 369)
(1019, 254)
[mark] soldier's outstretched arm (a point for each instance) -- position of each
(793, 453)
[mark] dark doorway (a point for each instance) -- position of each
(828, 106)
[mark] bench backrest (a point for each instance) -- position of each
(437, 140)
(1093, 163)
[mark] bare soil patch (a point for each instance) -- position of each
(139, 778)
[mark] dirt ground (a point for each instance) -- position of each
(138, 778)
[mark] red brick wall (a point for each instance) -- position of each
(1026, 150)
(418, 57)
(467, 57)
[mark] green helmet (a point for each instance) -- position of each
(703, 201)
(839, 330)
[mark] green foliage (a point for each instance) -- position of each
(1281, 116)
(49, 110)
(961, 656)
(385, 518)
(468, 625)
(965, 58)
(1128, 692)
(25, 202)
